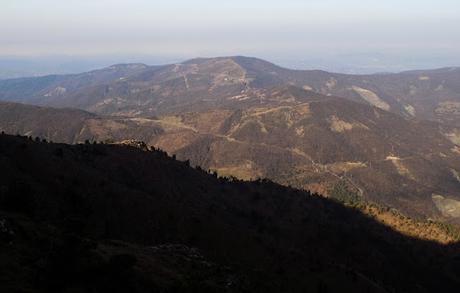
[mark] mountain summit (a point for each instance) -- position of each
(137, 89)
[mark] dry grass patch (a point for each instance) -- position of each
(244, 171)
(455, 150)
(449, 107)
(174, 123)
(425, 230)
(447, 206)
(342, 167)
(103, 128)
(372, 98)
(402, 170)
(338, 125)
(453, 136)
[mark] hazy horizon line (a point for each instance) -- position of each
(24, 67)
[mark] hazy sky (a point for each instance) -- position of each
(190, 28)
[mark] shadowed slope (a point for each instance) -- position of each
(60, 201)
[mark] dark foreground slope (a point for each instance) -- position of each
(111, 218)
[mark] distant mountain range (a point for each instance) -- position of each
(389, 138)
(137, 89)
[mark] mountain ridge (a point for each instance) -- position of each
(430, 94)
